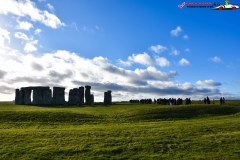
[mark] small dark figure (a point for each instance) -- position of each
(189, 100)
(208, 100)
(205, 100)
(221, 101)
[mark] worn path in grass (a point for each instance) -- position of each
(121, 131)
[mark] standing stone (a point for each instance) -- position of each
(92, 99)
(108, 97)
(21, 97)
(87, 94)
(81, 95)
(58, 95)
(35, 96)
(17, 96)
(47, 96)
(73, 97)
(105, 98)
(27, 96)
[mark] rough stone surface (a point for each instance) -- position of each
(47, 96)
(81, 95)
(87, 94)
(91, 99)
(21, 97)
(107, 97)
(27, 96)
(58, 95)
(74, 97)
(17, 96)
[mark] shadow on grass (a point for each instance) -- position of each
(48, 117)
(185, 112)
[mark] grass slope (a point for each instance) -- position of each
(121, 131)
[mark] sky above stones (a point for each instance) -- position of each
(136, 48)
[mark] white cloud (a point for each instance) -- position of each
(158, 48)
(24, 25)
(174, 51)
(209, 83)
(176, 32)
(50, 7)
(216, 59)
(187, 50)
(41, 0)
(96, 27)
(4, 35)
(21, 35)
(29, 47)
(143, 59)
(163, 62)
(26, 8)
(124, 63)
(37, 31)
(185, 37)
(63, 68)
(184, 62)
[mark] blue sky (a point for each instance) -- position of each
(136, 48)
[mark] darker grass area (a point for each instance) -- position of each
(184, 112)
(116, 113)
(46, 117)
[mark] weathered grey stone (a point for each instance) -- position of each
(21, 97)
(87, 94)
(27, 96)
(37, 96)
(73, 97)
(81, 95)
(107, 97)
(58, 95)
(16, 96)
(47, 96)
(91, 99)
(36, 87)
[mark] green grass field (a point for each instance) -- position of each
(120, 131)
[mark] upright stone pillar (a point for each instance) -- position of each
(21, 97)
(17, 96)
(27, 96)
(74, 97)
(81, 95)
(92, 99)
(105, 98)
(87, 94)
(109, 96)
(58, 95)
(35, 96)
(47, 96)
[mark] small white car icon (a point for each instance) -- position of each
(227, 7)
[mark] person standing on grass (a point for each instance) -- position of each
(221, 101)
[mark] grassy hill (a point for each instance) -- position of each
(120, 131)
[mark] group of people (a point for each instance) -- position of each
(207, 101)
(222, 101)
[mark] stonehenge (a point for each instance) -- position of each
(108, 97)
(88, 94)
(43, 95)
